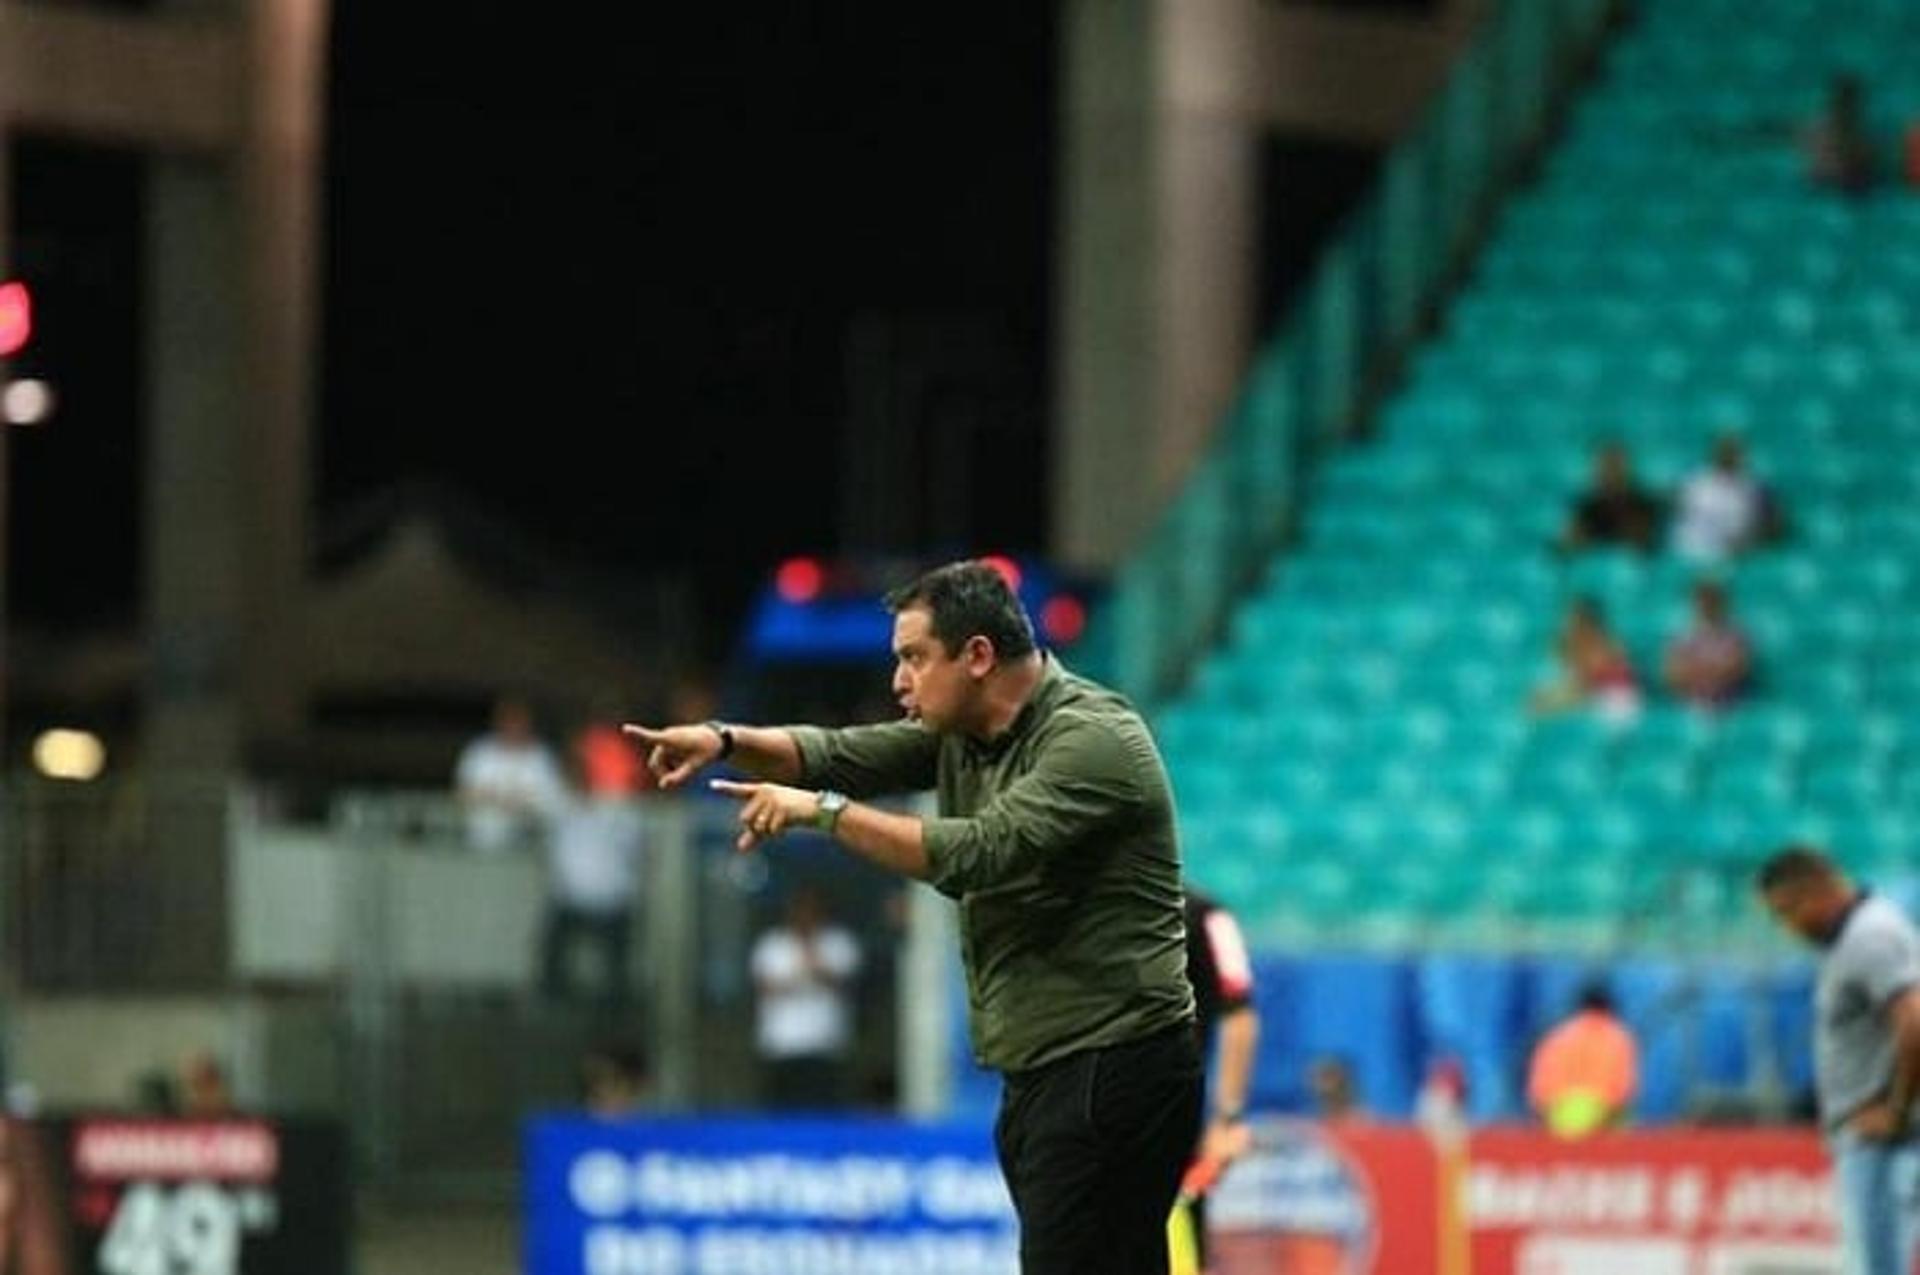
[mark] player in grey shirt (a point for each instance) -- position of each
(1866, 1046)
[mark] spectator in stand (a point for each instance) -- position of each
(204, 1091)
(508, 782)
(1336, 1098)
(1585, 1072)
(609, 763)
(593, 878)
(1723, 510)
(1616, 510)
(1440, 1108)
(803, 972)
(1595, 671)
(1838, 145)
(613, 1079)
(1711, 665)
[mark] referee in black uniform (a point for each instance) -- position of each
(1228, 1027)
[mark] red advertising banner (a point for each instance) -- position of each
(1653, 1203)
(1355, 1199)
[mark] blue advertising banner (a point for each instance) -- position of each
(722, 1196)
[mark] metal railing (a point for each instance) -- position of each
(378, 968)
(116, 886)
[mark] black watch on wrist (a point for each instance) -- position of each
(725, 732)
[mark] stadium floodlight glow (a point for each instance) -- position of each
(1009, 569)
(26, 402)
(1063, 619)
(16, 317)
(799, 580)
(77, 755)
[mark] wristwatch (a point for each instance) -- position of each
(725, 732)
(831, 804)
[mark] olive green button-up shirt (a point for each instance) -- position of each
(1058, 841)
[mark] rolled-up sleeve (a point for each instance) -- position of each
(1082, 781)
(868, 761)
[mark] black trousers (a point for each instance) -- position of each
(1093, 1146)
(566, 927)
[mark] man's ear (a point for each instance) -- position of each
(979, 655)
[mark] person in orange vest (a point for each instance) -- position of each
(1586, 1071)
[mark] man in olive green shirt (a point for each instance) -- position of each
(1056, 836)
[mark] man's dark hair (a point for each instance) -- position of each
(1795, 865)
(965, 600)
(1595, 997)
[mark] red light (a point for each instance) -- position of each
(16, 317)
(1009, 569)
(799, 579)
(1063, 619)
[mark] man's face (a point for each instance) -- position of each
(1331, 1087)
(513, 722)
(1802, 908)
(932, 684)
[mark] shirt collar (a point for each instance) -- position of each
(1046, 693)
(1832, 936)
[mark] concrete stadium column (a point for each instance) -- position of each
(1158, 245)
(1163, 107)
(279, 187)
(1108, 375)
(196, 472)
(232, 273)
(1206, 167)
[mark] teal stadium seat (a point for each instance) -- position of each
(1658, 284)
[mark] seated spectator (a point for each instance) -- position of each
(1616, 510)
(1724, 510)
(1711, 665)
(1595, 669)
(1336, 1097)
(1838, 147)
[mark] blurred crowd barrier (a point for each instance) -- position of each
(377, 968)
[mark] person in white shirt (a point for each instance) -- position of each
(1723, 510)
(594, 883)
(803, 972)
(508, 782)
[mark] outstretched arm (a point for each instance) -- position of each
(676, 753)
